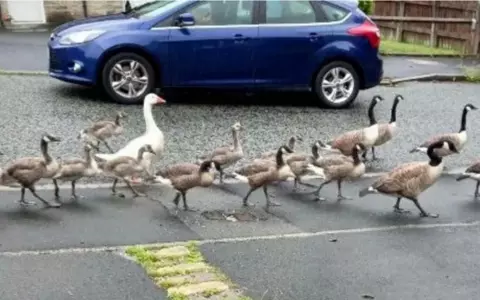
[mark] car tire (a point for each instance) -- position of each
(143, 70)
(353, 84)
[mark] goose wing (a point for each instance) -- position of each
(452, 137)
(347, 140)
(475, 168)
(71, 168)
(178, 169)
(255, 167)
(402, 178)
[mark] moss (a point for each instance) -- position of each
(244, 298)
(472, 74)
(176, 296)
(195, 255)
(211, 292)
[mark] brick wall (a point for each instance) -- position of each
(58, 11)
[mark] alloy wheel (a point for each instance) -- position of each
(128, 78)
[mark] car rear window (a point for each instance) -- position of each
(332, 12)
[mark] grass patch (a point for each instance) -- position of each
(177, 296)
(211, 292)
(472, 74)
(19, 72)
(394, 47)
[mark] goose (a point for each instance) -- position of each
(459, 139)
(185, 176)
(262, 175)
(123, 167)
(341, 169)
(227, 156)
(27, 171)
(152, 136)
(472, 172)
(409, 180)
(75, 169)
(292, 141)
(367, 136)
(387, 130)
(100, 131)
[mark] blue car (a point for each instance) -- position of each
(329, 48)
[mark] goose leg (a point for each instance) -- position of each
(185, 205)
(22, 198)
(340, 196)
(114, 189)
(476, 189)
(47, 203)
(245, 199)
(134, 191)
(317, 192)
(221, 175)
(374, 157)
(364, 155)
(397, 209)
(74, 195)
(298, 180)
(423, 213)
(108, 146)
(57, 190)
(269, 202)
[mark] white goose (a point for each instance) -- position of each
(152, 136)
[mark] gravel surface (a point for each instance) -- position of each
(35, 104)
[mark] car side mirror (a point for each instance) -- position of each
(185, 19)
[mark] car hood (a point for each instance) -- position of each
(116, 21)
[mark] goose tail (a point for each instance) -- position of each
(316, 170)
(162, 180)
(239, 177)
(104, 156)
(367, 191)
(462, 177)
(418, 149)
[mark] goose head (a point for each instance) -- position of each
(47, 138)
(148, 148)
(359, 148)
(376, 99)
(469, 107)
(153, 99)
(237, 126)
(209, 166)
(293, 140)
(398, 98)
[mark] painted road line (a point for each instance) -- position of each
(120, 249)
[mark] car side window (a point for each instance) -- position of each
(333, 13)
(288, 12)
(218, 13)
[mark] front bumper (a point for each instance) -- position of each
(73, 63)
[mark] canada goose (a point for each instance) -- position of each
(386, 131)
(341, 169)
(459, 139)
(27, 171)
(367, 136)
(409, 180)
(100, 131)
(292, 141)
(185, 176)
(123, 167)
(266, 174)
(227, 156)
(472, 172)
(74, 169)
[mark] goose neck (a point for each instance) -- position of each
(463, 124)
(44, 148)
(236, 140)
(371, 113)
(356, 156)
(117, 120)
(435, 159)
(393, 117)
(150, 124)
(279, 159)
(315, 151)
(140, 154)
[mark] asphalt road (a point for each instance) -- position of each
(32, 105)
(376, 252)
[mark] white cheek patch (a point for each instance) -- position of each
(469, 108)
(47, 139)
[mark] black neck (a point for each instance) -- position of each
(44, 148)
(435, 160)
(371, 114)
(315, 151)
(140, 153)
(393, 117)
(279, 158)
(355, 156)
(117, 120)
(463, 124)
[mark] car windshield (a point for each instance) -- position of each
(153, 8)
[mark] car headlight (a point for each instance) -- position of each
(80, 37)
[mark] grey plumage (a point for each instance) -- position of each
(472, 172)
(101, 131)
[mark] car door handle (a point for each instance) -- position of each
(240, 38)
(313, 36)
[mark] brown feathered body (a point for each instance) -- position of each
(76, 168)
(178, 169)
(185, 182)
(408, 180)
(386, 132)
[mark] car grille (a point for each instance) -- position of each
(53, 60)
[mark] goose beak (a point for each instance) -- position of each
(160, 100)
(153, 152)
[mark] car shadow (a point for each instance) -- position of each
(202, 97)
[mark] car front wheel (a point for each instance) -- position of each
(127, 78)
(337, 85)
